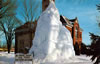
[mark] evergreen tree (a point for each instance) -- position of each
(95, 48)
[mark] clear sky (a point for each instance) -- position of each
(84, 10)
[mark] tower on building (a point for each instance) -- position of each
(45, 4)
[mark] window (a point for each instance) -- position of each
(80, 36)
(76, 32)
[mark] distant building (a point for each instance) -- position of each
(75, 30)
(24, 36)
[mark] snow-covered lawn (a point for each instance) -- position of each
(82, 59)
(6, 58)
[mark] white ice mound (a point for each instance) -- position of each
(52, 41)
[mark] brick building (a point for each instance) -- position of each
(75, 30)
(73, 26)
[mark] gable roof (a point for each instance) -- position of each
(26, 27)
(73, 20)
(68, 22)
(65, 21)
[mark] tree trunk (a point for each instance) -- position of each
(9, 42)
(9, 46)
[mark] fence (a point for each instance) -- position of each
(23, 59)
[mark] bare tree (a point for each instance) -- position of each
(98, 17)
(30, 10)
(98, 7)
(7, 26)
(8, 20)
(7, 8)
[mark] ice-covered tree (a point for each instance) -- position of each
(7, 8)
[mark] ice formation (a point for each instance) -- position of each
(52, 41)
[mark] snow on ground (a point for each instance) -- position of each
(6, 58)
(82, 59)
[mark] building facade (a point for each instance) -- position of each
(24, 36)
(75, 30)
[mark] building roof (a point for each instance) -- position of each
(68, 22)
(26, 27)
(65, 21)
(73, 20)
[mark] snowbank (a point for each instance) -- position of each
(6, 58)
(52, 41)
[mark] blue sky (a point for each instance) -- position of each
(85, 10)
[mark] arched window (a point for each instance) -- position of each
(76, 32)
